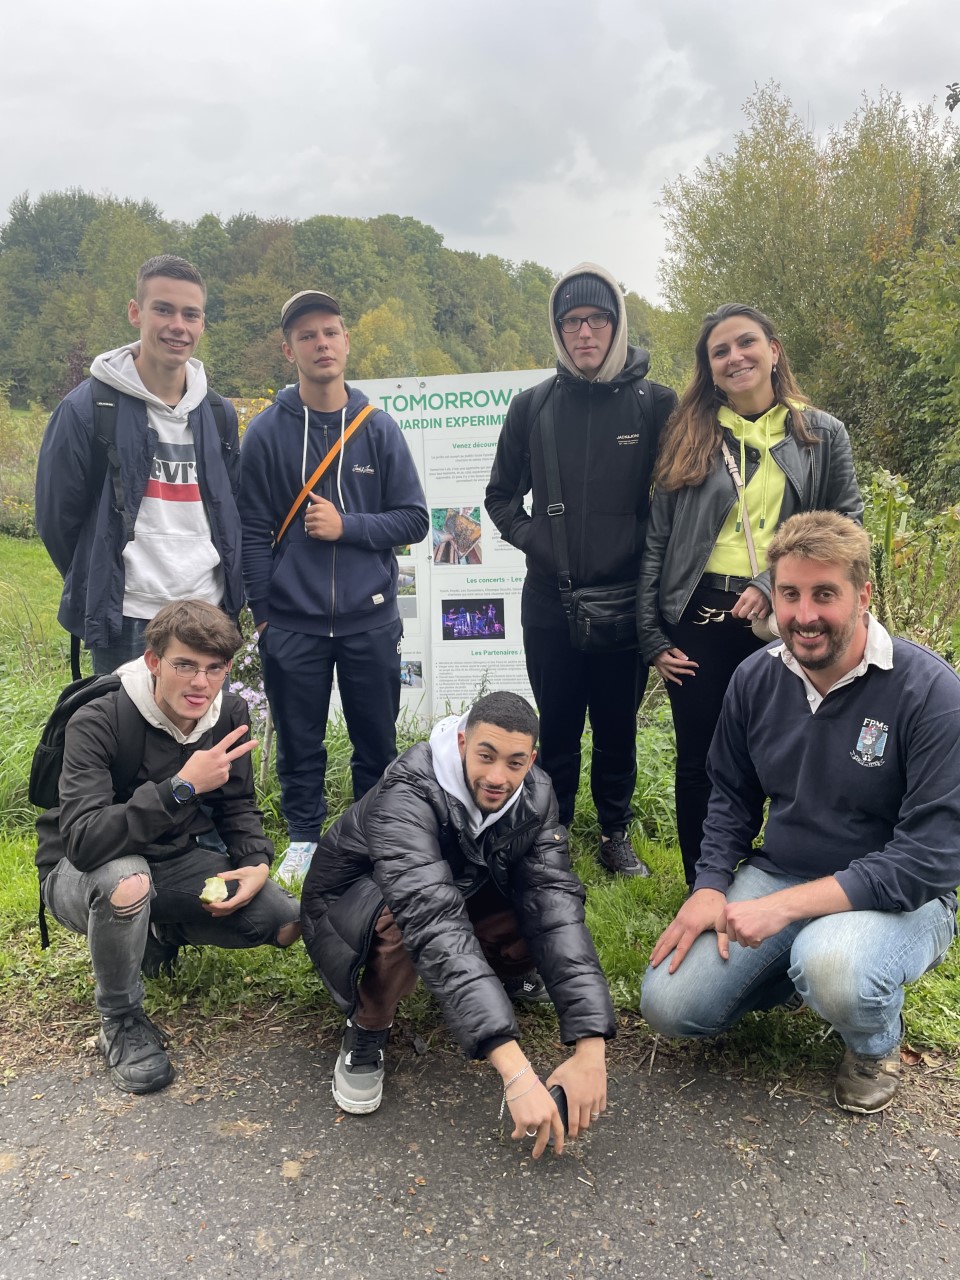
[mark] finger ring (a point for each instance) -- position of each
(531, 1133)
(594, 1115)
(753, 614)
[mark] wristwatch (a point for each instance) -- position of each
(183, 791)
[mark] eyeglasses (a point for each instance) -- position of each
(189, 670)
(573, 324)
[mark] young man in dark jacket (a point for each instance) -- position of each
(607, 419)
(323, 591)
(855, 737)
(455, 869)
(126, 867)
(177, 477)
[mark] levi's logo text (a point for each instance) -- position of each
(871, 744)
(632, 437)
(173, 474)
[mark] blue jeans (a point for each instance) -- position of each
(127, 646)
(117, 936)
(850, 968)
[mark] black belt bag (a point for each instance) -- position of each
(601, 619)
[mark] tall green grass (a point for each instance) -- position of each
(225, 987)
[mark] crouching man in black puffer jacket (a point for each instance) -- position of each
(454, 869)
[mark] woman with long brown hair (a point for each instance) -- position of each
(743, 451)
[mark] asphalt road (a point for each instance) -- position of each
(256, 1174)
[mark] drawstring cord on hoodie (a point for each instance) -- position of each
(303, 460)
(741, 439)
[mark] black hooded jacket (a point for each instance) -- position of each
(407, 843)
(607, 436)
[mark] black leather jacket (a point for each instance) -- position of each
(684, 524)
(407, 843)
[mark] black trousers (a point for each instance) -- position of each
(708, 633)
(568, 686)
(298, 678)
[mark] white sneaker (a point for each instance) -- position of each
(296, 860)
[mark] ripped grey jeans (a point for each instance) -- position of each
(80, 900)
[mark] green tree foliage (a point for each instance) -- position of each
(829, 236)
(68, 263)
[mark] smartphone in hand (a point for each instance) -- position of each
(560, 1098)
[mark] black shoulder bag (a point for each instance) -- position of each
(601, 619)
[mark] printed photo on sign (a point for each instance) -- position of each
(411, 675)
(407, 592)
(473, 619)
(456, 535)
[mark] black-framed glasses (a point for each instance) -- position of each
(188, 670)
(596, 320)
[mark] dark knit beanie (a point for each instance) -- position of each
(586, 290)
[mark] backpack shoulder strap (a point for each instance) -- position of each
(131, 741)
(220, 417)
(541, 394)
(105, 404)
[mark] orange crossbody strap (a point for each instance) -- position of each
(325, 465)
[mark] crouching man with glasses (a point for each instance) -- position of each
(150, 770)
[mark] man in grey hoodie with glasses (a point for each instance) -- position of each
(607, 420)
(144, 513)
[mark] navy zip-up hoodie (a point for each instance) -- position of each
(306, 584)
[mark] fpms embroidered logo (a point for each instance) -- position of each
(871, 744)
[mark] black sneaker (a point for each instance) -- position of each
(158, 956)
(135, 1053)
(358, 1075)
(530, 989)
(617, 855)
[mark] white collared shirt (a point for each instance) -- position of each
(878, 651)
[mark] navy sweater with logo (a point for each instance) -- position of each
(308, 584)
(867, 789)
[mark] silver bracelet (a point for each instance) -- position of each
(513, 1079)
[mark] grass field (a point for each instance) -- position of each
(52, 990)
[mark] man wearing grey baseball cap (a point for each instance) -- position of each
(327, 489)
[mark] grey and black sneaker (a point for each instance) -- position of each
(358, 1075)
(135, 1053)
(530, 989)
(617, 855)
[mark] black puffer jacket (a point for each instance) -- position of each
(407, 843)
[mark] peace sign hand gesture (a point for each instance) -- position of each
(207, 770)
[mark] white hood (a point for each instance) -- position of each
(617, 355)
(138, 682)
(118, 370)
(448, 769)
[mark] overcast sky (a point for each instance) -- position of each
(540, 129)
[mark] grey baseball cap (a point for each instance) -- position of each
(307, 300)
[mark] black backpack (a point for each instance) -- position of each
(47, 765)
(44, 787)
(105, 401)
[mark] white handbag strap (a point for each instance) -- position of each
(747, 531)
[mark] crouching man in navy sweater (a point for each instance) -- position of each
(855, 738)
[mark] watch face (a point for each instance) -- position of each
(182, 791)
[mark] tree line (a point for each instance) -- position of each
(850, 241)
(68, 261)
